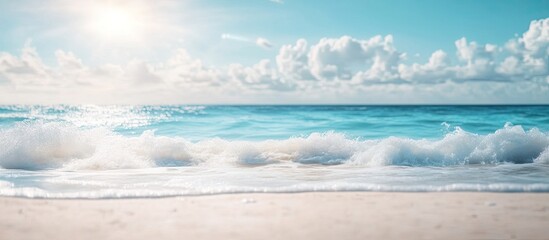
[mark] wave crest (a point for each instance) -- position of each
(35, 146)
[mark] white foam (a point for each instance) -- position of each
(5, 184)
(35, 146)
(33, 192)
(543, 157)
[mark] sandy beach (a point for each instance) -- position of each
(339, 215)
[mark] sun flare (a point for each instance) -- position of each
(115, 22)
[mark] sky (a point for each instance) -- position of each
(274, 52)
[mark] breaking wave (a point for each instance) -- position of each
(36, 146)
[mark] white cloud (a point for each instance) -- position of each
(68, 61)
(262, 42)
(227, 36)
(535, 42)
(529, 54)
(277, 1)
(435, 70)
(343, 69)
(293, 61)
(26, 69)
(259, 76)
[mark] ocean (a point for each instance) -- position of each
(88, 151)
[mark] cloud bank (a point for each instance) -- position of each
(332, 70)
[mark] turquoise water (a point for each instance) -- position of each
(92, 151)
(281, 122)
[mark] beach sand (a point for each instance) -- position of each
(335, 215)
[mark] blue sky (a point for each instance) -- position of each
(247, 51)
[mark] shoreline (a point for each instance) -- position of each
(310, 215)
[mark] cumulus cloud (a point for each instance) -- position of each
(435, 70)
(293, 61)
(345, 57)
(529, 54)
(259, 76)
(345, 67)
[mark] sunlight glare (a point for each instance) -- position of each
(115, 22)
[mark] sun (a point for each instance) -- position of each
(115, 22)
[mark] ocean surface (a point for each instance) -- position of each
(88, 151)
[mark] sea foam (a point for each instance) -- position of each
(39, 145)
